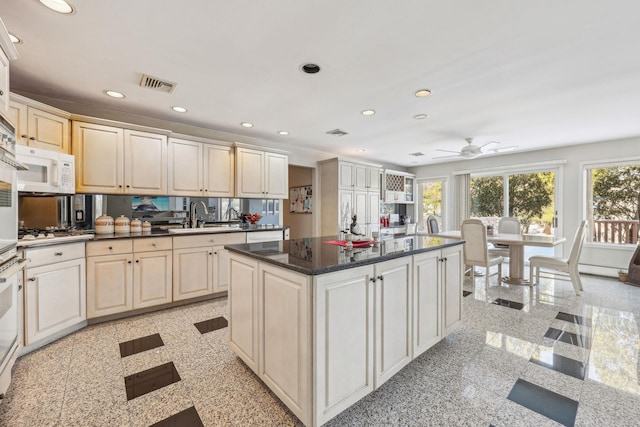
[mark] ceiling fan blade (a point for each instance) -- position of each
(489, 143)
(502, 149)
(446, 157)
(448, 151)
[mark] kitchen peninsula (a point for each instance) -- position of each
(323, 326)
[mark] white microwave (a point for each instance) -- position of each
(50, 172)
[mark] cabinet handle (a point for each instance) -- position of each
(19, 287)
(1, 92)
(200, 189)
(212, 241)
(32, 279)
(137, 261)
(373, 279)
(381, 278)
(58, 253)
(128, 262)
(153, 244)
(119, 186)
(128, 186)
(216, 253)
(206, 189)
(23, 136)
(210, 253)
(110, 248)
(445, 260)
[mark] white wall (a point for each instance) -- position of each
(595, 258)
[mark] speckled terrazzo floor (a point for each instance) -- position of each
(478, 376)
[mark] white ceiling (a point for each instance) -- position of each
(532, 74)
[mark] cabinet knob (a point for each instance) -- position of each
(210, 253)
(206, 189)
(32, 138)
(1, 92)
(128, 186)
(58, 253)
(373, 279)
(216, 253)
(381, 278)
(138, 261)
(128, 262)
(23, 136)
(110, 248)
(200, 189)
(153, 244)
(32, 279)
(119, 186)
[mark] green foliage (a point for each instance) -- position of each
(487, 196)
(615, 192)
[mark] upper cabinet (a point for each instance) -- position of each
(201, 168)
(261, 174)
(39, 125)
(357, 176)
(7, 52)
(113, 160)
(398, 187)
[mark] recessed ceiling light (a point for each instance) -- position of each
(422, 93)
(178, 109)
(114, 94)
(360, 150)
(368, 112)
(421, 116)
(246, 125)
(310, 68)
(59, 6)
(15, 39)
(283, 132)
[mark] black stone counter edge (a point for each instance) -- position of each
(165, 233)
(355, 264)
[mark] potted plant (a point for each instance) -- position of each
(622, 275)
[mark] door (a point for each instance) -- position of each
(54, 299)
(152, 278)
(109, 284)
(99, 158)
(192, 272)
(249, 173)
(276, 175)
(219, 171)
(345, 175)
(18, 116)
(427, 294)
(47, 130)
(145, 163)
(185, 168)
(392, 318)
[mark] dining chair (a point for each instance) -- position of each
(410, 229)
(506, 225)
(476, 253)
(565, 265)
(432, 225)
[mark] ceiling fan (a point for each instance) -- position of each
(472, 151)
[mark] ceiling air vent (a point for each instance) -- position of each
(157, 84)
(416, 154)
(337, 132)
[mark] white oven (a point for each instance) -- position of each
(50, 172)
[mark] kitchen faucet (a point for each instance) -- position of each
(193, 220)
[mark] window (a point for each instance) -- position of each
(431, 201)
(613, 202)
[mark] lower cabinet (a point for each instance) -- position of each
(127, 274)
(54, 290)
(200, 264)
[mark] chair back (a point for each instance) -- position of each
(509, 225)
(432, 225)
(578, 240)
(410, 229)
(474, 233)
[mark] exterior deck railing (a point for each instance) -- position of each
(615, 231)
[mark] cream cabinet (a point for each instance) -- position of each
(40, 126)
(198, 168)
(55, 298)
(113, 160)
(451, 279)
(243, 309)
(261, 174)
(264, 236)
(349, 188)
(126, 274)
(8, 53)
(199, 264)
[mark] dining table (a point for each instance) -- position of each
(516, 243)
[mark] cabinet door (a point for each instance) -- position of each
(55, 299)
(276, 178)
(109, 285)
(185, 168)
(145, 163)
(360, 201)
(99, 158)
(345, 175)
(345, 208)
(47, 130)
(343, 340)
(393, 318)
(219, 171)
(192, 272)
(427, 294)
(360, 177)
(220, 269)
(373, 178)
(4, 81)
(373, 208)
(452, 288)
(152, 278)
(249, 173)
(18, 116)
(285, 336)
(243, 313)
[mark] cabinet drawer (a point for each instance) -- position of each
(213, 239)
(152, 244)
(109, 247)
(264, 236)
(54, 254)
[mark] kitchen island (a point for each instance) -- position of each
(323, 326)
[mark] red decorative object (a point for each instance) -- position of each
(253, 218)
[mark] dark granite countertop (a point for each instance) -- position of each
(312, 256)
(207, 230)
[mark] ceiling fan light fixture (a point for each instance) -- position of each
(60, 6)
